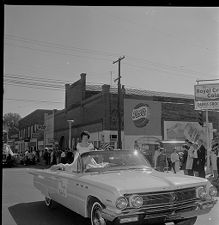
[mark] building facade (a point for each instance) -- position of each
(49, 140)
(94, 108)
(31, 131)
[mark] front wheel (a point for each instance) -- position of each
(96, 214)
(189, 221)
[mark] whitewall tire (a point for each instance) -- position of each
(96, 214)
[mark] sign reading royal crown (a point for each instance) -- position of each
(206, 96)
(140, 115)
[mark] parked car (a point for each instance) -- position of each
(120, 186)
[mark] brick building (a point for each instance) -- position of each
(30, 134)
(94, 108)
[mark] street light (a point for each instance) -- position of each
(69, 141)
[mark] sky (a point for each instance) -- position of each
(166, 49)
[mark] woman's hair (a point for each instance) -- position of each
(85, 133)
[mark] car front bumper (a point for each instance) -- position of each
(167, 214)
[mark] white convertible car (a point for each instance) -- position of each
(120, 186)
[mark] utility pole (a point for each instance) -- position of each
(118, 102)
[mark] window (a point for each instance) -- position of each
(28, 132)
(113, 137)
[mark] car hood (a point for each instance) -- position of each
(129, 181)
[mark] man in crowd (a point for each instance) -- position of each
(190, 157)
(162, 160)
(201, 153)
(184, 158)
(156, 154)
(46, 156)
(215, 159)
(175, 160)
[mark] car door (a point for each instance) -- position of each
(77, 190)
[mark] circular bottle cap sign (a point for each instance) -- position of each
(140, 115)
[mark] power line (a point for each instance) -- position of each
(37, 83)
(50, 44)
(168, 34)
(180, 69)
(21, 77)
(42, 79)
(160, 70)
(30, 100)
(155, 64)
(34, 84)
(57, 45)
(26, 86)
(51, 51)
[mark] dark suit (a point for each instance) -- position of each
(202, 152)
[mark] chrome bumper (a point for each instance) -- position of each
(167, 214)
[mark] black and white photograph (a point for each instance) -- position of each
(110, 115)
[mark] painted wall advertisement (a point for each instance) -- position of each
(180, 130)
(142, 123)
(207, 96)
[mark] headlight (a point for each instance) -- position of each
(201, 193)
(213, 191)
(135, 201)
(121, 203)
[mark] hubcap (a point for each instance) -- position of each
(97, 218)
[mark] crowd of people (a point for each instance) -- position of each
(193, 160)
(31, 157)
(55, 156)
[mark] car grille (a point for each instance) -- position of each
(164, 202)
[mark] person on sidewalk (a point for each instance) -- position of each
(162, 161)
(175, 160)
(215, 160)
(202, 154)
(190, 157)
(195, 165)
(63, 155)
(184, 158)
(156, 154)
(46, 156)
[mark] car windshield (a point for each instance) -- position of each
(100, 161)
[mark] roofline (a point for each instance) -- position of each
(113, 90)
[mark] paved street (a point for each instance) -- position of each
(22, 204)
